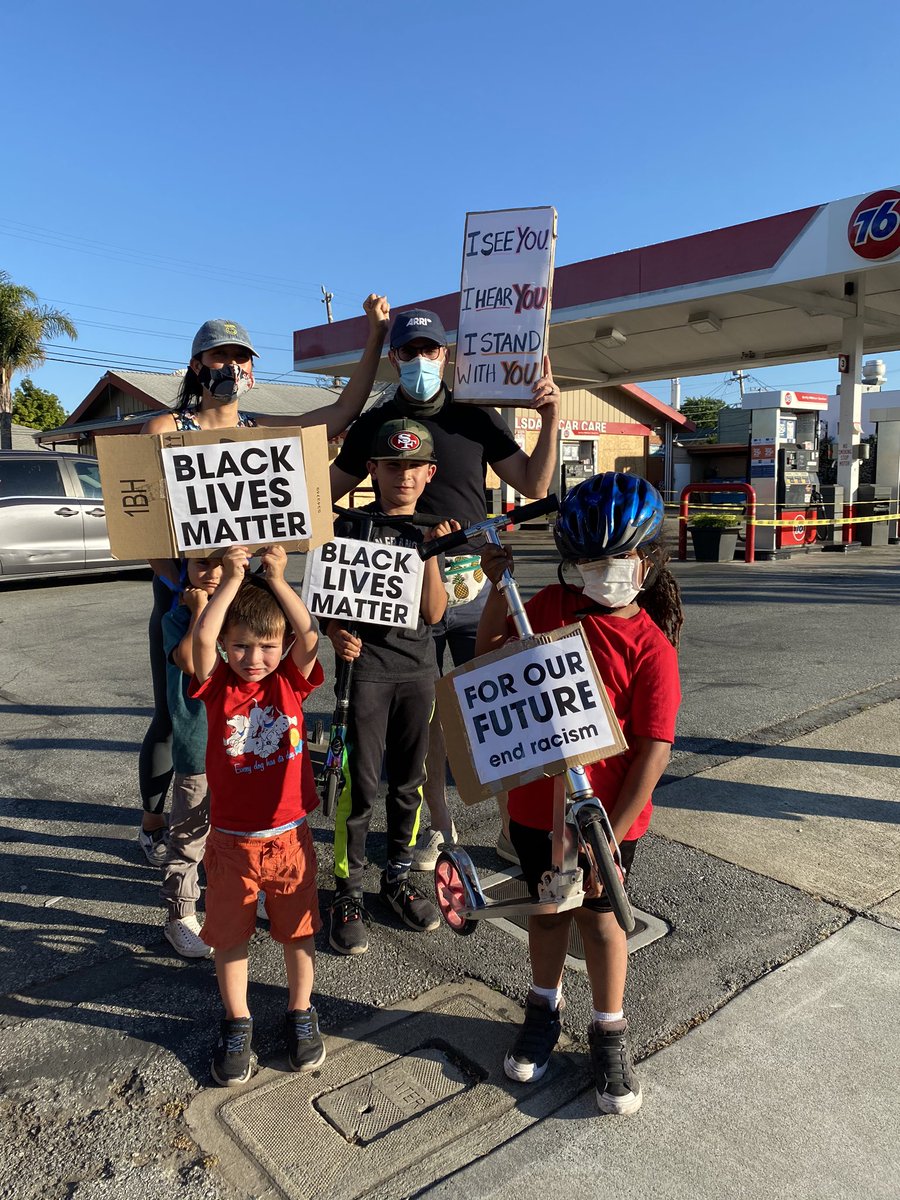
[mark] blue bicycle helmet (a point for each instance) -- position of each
(606, 515)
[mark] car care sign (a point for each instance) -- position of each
(184, 494)
(376, 583)
(504, 310)
(237, 495)
(530, 709)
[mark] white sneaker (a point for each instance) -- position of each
(183, 934)
(428, 847)
(261, 914)
(155, 845)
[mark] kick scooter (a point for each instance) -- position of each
(581, 826)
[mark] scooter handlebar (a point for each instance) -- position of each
(516, 516)
(425, 520)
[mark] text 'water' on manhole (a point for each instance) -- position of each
(370, 1107)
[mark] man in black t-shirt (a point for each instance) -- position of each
(466, 439)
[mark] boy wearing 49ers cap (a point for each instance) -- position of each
(391, 702)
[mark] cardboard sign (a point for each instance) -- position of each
(376, 583)
(229, 495)
(182, 494)
(504, 309)
(530, 709)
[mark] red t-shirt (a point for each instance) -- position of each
(257, 760)
(639, 666)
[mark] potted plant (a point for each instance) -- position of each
(714, 535)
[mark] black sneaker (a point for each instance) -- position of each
(618, 1090)
(529, 1054)
(234, 1061)
(348, 934)
(306, 1049)
(413, 909)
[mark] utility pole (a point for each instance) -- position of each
(739, 376)
(328, 297)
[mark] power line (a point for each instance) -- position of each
(94, 246)
(147, 317)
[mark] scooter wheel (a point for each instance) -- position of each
(451, 895)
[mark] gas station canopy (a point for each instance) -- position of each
(778, 290)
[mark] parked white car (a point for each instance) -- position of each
(52, 519)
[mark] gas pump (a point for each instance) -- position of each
(784, 459)
(796, 496)
(576, 462)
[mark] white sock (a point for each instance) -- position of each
(600, 1018)
(551, 995)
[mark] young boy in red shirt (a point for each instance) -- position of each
(613, 579)
(261, 789)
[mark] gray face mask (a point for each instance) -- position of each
(226, 383)
(410, 406)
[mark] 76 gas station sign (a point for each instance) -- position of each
(874, 227)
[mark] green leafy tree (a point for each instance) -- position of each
(25, 325)
(702, 410)
(34, 407)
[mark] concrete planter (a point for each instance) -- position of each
(714, 545)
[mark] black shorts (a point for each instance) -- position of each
(535, 850)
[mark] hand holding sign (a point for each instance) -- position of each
(235, 562)
(274, 561)
(546, 395)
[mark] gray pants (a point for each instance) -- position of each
(188, 827)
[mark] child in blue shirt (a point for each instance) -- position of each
(189, 820)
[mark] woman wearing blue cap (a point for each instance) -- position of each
(218, 378)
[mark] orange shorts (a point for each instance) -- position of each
(238, 868)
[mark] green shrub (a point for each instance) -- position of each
(714, 520)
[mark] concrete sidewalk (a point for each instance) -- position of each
(792, 1088)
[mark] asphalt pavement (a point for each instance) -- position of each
(764, 1021)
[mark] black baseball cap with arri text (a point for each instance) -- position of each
(417, 323)
(403, 439)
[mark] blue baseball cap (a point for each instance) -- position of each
(417, 323)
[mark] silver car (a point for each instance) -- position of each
(52, 519)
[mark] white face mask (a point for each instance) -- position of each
(612, 582)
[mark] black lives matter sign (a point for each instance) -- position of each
(237, 493)
(376, 583)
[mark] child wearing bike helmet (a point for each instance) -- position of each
(613, 579)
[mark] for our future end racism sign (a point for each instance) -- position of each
(531, 709)
(504, 310)
(230, 494)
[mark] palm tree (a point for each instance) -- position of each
(24, 326)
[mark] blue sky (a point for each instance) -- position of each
(177, 161)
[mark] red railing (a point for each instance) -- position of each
(750, 515)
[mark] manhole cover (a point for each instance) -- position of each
(509, 885)
(370, 1107)
(400, 1102)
